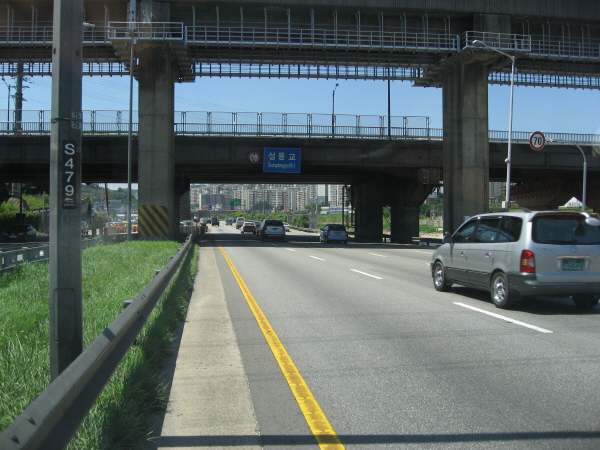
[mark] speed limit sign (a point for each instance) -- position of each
(537, 140)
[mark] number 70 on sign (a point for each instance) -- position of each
(537, 140)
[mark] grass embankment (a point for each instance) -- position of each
(111, 274)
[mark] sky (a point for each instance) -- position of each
(535, 108)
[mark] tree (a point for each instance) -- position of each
(262, 206)
(301, 221)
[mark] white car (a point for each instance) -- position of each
(286, 226)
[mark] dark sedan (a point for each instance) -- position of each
(17, 233)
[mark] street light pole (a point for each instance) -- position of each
(130, 134)
(478, 43)
(584, 188)
(333, 110)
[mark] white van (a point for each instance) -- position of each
(239, 222)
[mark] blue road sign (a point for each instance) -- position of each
(281, 160)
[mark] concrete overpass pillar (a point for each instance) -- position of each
(182, 199)
(158, 215)
(466, 143)
(406, 197)
(368, 203)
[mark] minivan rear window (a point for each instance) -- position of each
(564, 230)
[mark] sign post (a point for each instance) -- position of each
(66, 319)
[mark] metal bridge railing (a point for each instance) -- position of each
(257, 34)
(251, 124)
(321, 38)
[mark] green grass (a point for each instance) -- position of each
(111, 274)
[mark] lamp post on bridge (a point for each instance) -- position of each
(333, 110)
(478, 43)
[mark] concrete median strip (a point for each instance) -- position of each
(209, 404)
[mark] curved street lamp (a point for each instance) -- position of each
(481, 44)
(583, 194)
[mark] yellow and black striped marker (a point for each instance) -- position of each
(153, 221)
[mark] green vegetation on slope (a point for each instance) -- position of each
(111, 274)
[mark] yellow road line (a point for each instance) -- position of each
(319, 425)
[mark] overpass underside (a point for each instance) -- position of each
(178, 41)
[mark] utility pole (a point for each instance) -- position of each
(66, 319)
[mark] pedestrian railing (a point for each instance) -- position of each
(256, 124)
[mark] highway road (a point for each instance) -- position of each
(394, 364)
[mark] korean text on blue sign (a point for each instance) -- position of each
(281, 160)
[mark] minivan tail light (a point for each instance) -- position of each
(527, 261)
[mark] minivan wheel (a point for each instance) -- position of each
(502, 297)
(439, 278)
(585, 300)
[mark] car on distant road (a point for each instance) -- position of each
(286, 226)
(333, 232)
(249, 227)
(84, 228)
(215, 221)
(515, 255)
(271, 229)
(20, 232)
(229, 222)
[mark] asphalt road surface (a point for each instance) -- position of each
(394, 364)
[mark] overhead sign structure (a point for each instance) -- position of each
(537, 140)
(285, 160)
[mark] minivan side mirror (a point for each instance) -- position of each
(447, 238)
(592, 221)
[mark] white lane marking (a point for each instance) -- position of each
(375, 254)
(320, 259)
(508, 319)
(290, 250)
(367, 274)
(419, 251)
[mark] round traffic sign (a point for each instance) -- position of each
(537, 140)
(254, 157)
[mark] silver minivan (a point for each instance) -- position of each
(514, 255)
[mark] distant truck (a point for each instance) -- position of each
(239, 222)
(214, 221)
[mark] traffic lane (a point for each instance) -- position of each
(387, 260)
(280, 420)
(391, 260)
(430, 357)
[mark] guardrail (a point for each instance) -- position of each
(256, 124)
(9, 259)
(54, 417)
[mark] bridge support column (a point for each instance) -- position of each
(367, 200)
(466, 143)
(157, 210)
(182, 199)
(406, 197)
